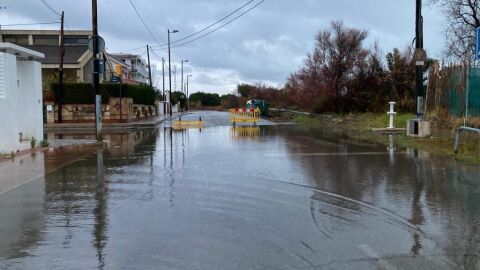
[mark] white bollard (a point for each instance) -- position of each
(392, 114)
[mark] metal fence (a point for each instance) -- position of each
(453, 91)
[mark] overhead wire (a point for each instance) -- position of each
(218, 28)
(143, 22)
(44, 2)
(135, 49)
(50, 7)
(211, 25)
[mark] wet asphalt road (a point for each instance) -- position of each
(265, 197)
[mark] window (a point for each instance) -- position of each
(76, 40)
(3, 83)
(16, 39)
(45, 40)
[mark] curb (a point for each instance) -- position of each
(108, 127)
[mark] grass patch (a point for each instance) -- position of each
(308, 121)
(358, 127)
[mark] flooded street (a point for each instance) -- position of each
(266, 197)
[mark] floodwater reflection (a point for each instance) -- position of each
(245, 198)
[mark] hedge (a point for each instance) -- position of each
(82, 93)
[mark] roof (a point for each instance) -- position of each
(113, 58)
(21, 51)
(46, 32)
(73, 53)
(128, 56)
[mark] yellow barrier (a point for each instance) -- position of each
(244, 115)
(179, 124)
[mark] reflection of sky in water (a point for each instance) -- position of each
(242, 198)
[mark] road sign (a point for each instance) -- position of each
(101, 44)
(477, 49)
(115, 79)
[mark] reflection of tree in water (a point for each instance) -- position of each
(428, 184)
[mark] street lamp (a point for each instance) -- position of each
(186, 105)
(170, 70)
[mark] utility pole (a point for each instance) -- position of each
(175, 78)
(183, 61)
(60, 71)
(96, 74)
(169, 76)
(420, 57)
(186, 104)
(163, 81)
(170, 70)
(149, 67)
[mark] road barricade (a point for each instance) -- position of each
(242, 115)
(187, 124)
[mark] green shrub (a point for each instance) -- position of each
(75, 93)
(44, 143)
(206, 99)
(83, 93)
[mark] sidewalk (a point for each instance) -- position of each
(151, 122)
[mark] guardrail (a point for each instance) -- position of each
(459, 132)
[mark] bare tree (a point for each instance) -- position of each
(463, 18)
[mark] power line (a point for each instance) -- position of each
(143, 22)
(218, 28)
(50, 7)
(211, 25)
(54, 11)
(135, 49)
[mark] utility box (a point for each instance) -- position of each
(418, 128)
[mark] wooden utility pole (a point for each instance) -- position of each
(420, 57)
(60, 71)
(149, 67)
(96, 73)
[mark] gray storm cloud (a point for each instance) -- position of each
(266, 44)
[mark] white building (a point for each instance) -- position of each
(21, 115)
(137, 68)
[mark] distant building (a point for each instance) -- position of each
(137, 68)
(78, 60)
(21, 103)
(116, 67)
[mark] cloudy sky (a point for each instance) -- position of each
(264, 45)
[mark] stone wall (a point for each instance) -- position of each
(113, 112)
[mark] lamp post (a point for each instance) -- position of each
(170, 70)
(186, 104)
